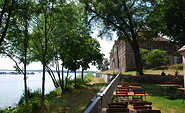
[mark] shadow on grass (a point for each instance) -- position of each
(154, 90)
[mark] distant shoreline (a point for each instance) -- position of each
(30, 71)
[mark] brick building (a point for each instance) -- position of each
(122, 55)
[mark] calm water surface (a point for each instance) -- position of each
(12, 87)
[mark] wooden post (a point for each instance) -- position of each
(182, 52)
(183, 57)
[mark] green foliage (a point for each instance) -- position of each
(175, 67)
(126, 17)
(87, 78)
(104, 65)
(55, 93)
(154, 58)
(34, 105)
(31, 96)
(80, 84)
(45, 31)
(170, 15)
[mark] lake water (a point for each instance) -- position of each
(12, 87)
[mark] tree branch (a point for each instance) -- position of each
(13, 61)
(2, 12)
(113, 24)
(7, 23)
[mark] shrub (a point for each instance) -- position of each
(79, 83)
(154, 58)
(31, 95)
(175, 67)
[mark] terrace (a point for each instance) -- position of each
(113, 94)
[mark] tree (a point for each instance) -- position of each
(6, 13)
(126, 17)
(18, 36)
(154, 58)
(90, 53)
(104, 65)
(171, 16)
(42, 46)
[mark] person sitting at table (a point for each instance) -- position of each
(163, 74)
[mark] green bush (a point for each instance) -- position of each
(175, 67)
(154, 58)
(54, 93)
(31, 95)
(79, 83)
(88, 77)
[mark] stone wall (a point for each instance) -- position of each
(155, 79)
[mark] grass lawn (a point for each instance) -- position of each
(156, 72)
(75, 101)
(166, 102)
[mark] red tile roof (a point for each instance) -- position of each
(160, 39)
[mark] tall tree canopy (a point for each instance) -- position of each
(126, 17)
(49, 31)
(16, 42)
(171, 16)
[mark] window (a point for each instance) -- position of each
(149, 46)
(166, 47)
(160, 46)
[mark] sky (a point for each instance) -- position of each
(106, 46)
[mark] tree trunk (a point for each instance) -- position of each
(43, 83)
(75, 79)
(25, 84)
(25, 60)
(44, 55)
(83, 75)
(139, 66)
(52, 77)
(135, 47)
(67, 79)
(58, 72)
(62, 82)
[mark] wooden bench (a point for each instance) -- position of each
(149, 111)
(136, 99)
(121, 92)
(126, 88)
(139, 92)
(134, 84)
(142, 105)
(119, 107)
(124, 84)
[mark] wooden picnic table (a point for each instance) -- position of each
(169, 87)
(135, 87)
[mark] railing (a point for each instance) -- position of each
(103, 98)
(108, 92)
(95, 106)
